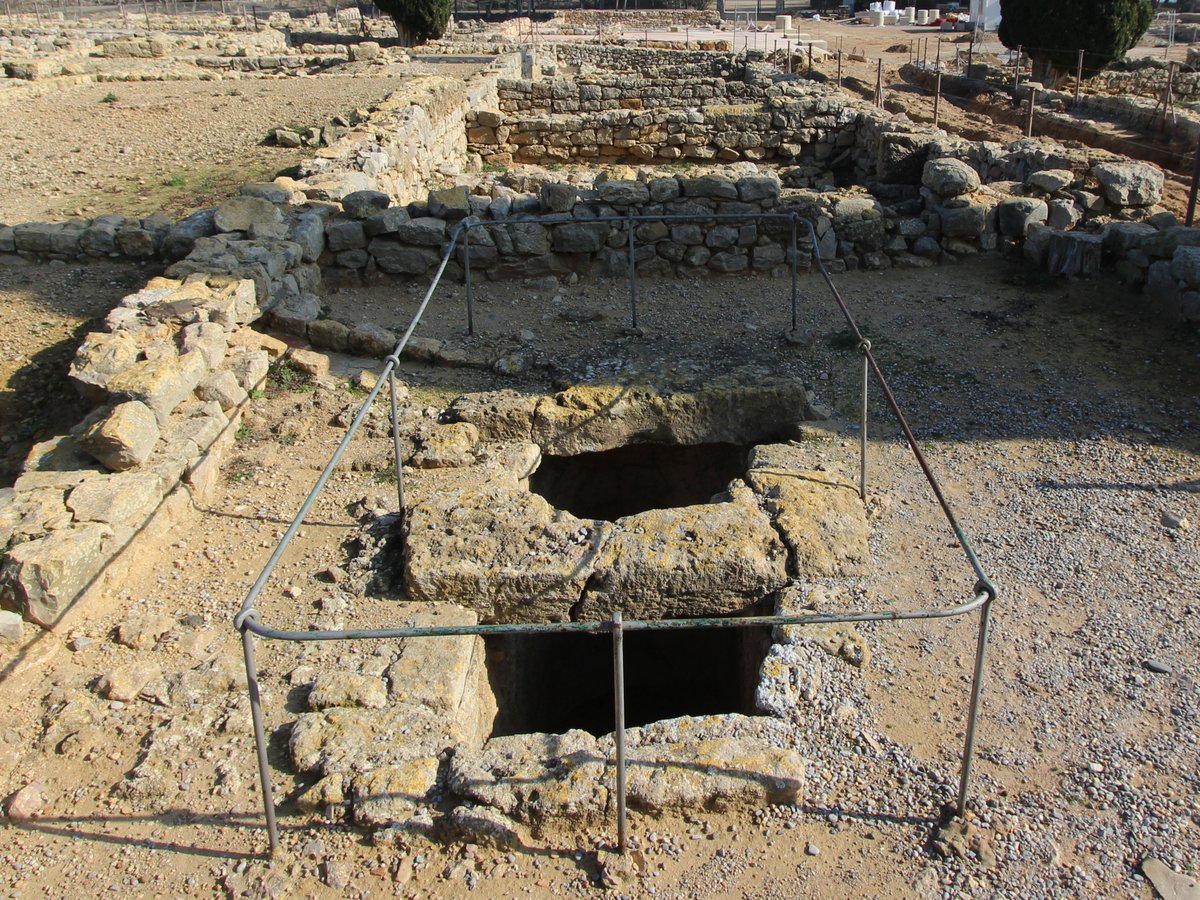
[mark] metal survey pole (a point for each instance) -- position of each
(260, 739)
(1017, 70)
(632, 277)
(964, 782)
(879, 83)
(394, 361)
(839, 75)
(937, 97)
(619, 731)
(938, 65)
(810, 59)
(1078, 76)
(467, 276)
(1029, 115)
(865, 348)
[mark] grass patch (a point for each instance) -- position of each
(285, 376)
(110, 97)
(239, 469)
(176, 181)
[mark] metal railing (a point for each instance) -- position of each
(249, 623)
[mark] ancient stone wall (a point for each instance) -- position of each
(631, 20)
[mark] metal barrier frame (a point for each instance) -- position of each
(248, 620)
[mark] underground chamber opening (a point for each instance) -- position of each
(555, 682)
(609, 484)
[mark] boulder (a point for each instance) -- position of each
(1015, 215)
(558, 197)
(124, 498)
(949, 177)
(242, 212)
(623, 193)
(221, 387)
(1051, 180)
(98, 359)
(392, 793)
(1129, 183)
(363, 204)
(450, 203)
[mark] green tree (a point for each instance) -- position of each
(418, 20)
(1053, 32)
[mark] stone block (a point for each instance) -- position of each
(386, 221)
(309, 232)
(162, 384)
(101, 356)
(369, 339)
(206, 338)
(221, 387)
(249, 367)
(126, 498)
(329, 334)
(1015, 215)
(449, 203)
(623, 192)
(963, 222)
(1129, 183)
(558, 197)
(43, 577)
(239, 213)
(363, 204)
(580, 237)
(311, 362)
(949, 177)
(424, 231)
(124, 438)
(345, 236)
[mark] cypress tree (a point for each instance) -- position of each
(1053, 32)
(418, 20)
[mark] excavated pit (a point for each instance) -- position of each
(555, 683)
(611, 484)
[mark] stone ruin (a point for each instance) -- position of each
(499, 527)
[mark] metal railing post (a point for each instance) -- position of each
(396, 435)
(865, 347)
(467, 274)
(795, 253)
(632, 277)
(619, 731)
(964, 783)
(260, 738)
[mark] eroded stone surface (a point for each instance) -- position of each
(819, 514)
(693, 560)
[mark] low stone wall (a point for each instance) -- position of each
(631, 20)
(167, 377)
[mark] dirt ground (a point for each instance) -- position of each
(1033, 398)
(1060, 417)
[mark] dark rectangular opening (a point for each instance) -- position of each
(553, 683)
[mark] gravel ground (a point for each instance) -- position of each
(1061, 421)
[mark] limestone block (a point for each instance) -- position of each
(126, 498)
(535, 777)
(249, 367)
(239, 213)
(206, 338)
(391, 793)
(498, 549)
(820, 516)
(11, 630)
(249, 339)
(623, 193)
(757, 188)
(963, 222)
(98, 359)
(949, 177)
(337, 688)
(235, 304)
(716, 186)
(311, 362)
(580, 237)
(694, 560)
(124, 438)
(42, 577)
(222, 387)
(436, 673)
(271, 191)
(181, 237)
(1185, 266)
(162, 384)
(1129, 183)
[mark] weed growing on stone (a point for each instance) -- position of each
(285, 375)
